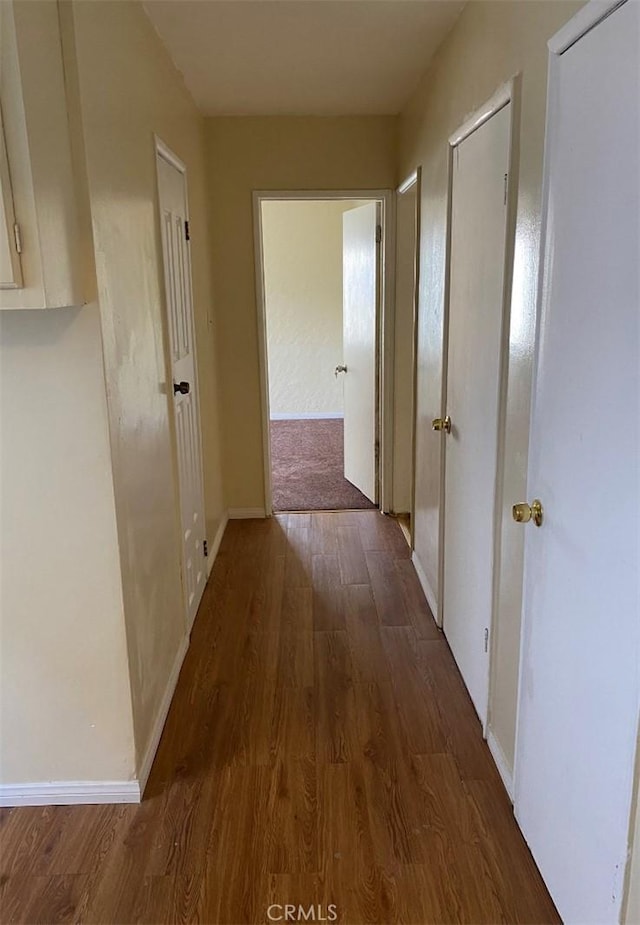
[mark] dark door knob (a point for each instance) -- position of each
(182, 387)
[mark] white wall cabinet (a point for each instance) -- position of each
(39, 244)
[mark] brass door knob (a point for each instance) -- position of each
(523, 512)
(442, 424)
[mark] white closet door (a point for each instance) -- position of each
(478, 235)
(177, 267)
(580, 687)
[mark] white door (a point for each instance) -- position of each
(360, 298)
(478, 235)
(579, 684)
(177, 269)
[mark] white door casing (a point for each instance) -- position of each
(10, 269)
(579, 676)
(360, 299)
(172, 191)
(407, 260)
(480, 165)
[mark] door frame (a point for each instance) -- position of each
(162, 150)
(414, 180)
(507, 94)
(385, 312)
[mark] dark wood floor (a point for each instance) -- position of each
(321, 748)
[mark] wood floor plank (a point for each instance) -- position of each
(233, 887)
(360, 889)
(323, 534)
(295, 659)
(320, 748)
(504, 849)
(297, 520)
(460, 721)
(419, 714)
(376, 727)
(387, 589)
(328, 593)
(335, 698)
(353, 567)
(293, 734)
(293, 845)
(373, 534)
(298, 557)
(296, 611)
(363, 634)
(266, 600)
(419, 611)
(50, 900)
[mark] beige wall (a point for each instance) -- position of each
(129, 90)
(246, 154)
(489, 43)
(65, 707)
(65, 701)
(302, 247)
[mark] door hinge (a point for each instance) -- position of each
(506, 186)
(17, 237)
(486, 639)
(378, 234)
(187, 233)
(205, 548)
(377, 450)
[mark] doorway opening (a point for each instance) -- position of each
(320, 261)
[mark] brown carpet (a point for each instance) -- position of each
(307, 465)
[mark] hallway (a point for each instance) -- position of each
(320, 748)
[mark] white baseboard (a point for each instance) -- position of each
(246, 513)
(501, 763)
(70, 792)
(215, 545)
(308, 416)
(161, 716)
(426, 587)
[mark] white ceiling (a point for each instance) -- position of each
(302, 57)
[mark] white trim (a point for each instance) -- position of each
(308, 416)
(585, 19)
(161, 716)
(261, 310)
(407, 184)
(167, 154)
(386, 198)
(70, 792)
(426, 587)
(501, 763)
(387, 350)
(414, 180)
(320, 195)
(502, 96)
(215, 544)
(246, 513)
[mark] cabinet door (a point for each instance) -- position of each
(10, 273)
